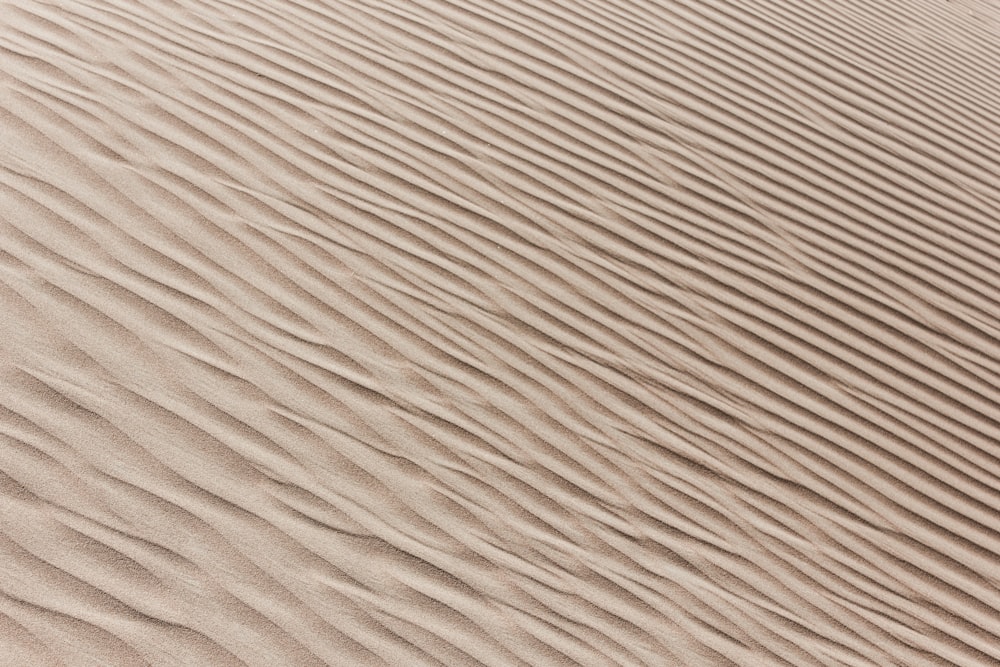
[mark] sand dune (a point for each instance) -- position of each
(510, 332)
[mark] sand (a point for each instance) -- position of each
(508, 332)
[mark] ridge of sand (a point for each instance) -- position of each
(505, 332)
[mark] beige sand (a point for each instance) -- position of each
(510, 332)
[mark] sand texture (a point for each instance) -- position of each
(499, 332)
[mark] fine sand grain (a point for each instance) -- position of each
(501, 332)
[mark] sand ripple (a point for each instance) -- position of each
(598, 332)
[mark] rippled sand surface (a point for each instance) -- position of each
(501, 332)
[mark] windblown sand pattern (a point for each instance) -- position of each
(502, 332)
